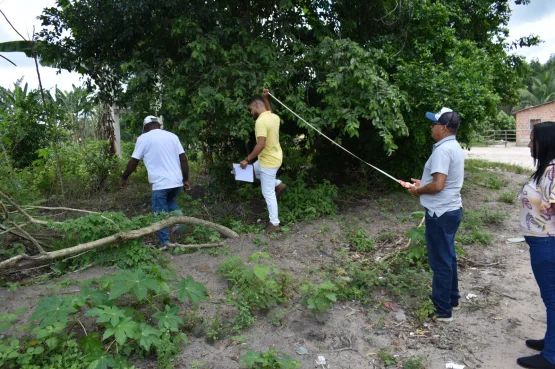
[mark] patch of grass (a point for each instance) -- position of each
(386, 237)
(387, 358)
(360, 241)
(416, 362)
(476, 163)
(475, 237)
(507, 197)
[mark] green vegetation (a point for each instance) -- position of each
(268, 360)
(133, 312)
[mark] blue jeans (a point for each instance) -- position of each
(542, 258)
(163, 201)
(442, 258)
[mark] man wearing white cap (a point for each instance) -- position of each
(440, 194)
(167, 167)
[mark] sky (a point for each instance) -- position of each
(538, 17)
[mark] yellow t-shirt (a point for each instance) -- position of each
(267, 125)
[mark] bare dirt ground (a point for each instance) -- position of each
(488, 331)
(501, 154)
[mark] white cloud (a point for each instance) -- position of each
(23, 15)
(536, 18)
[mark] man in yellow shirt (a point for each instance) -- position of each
(269, 155)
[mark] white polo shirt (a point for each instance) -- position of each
(160, 152)
(447, 158)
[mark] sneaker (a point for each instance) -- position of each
(537, 345)
(445, 317)
(455, 305)
(280, 189)
(271, 228)
(535, 362)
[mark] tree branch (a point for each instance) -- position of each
(28, 237)
(8, 60)
(11, 25)
(26, 260)
(61, 208)
(23, 212)
(192, 246)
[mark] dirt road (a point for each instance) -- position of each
(501, 154)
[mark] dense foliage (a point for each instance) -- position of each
(362, 71)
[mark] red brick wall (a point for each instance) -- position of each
(544, 112)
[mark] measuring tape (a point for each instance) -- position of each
(401, 182)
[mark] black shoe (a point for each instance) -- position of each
(536, 344)
(535, 362)
(446, 317)
(455, 305)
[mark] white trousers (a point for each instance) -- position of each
(268, 181)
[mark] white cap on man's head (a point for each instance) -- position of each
(151, 119)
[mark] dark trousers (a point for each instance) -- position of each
(163, 201)
(442, 257)
(542, 258)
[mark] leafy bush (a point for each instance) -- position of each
(259, 287)
(134, 314)
(303, 203)
(130, 254)
(319, 299)
(360, 241)
(84, 169)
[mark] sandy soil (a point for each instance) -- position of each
(488, 332)
(509, 155)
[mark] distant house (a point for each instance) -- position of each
(526, 118)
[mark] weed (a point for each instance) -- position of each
(387, 237)
(13, 286)
(507, 197)
(276, 318)
(198, 365)
(360, 241)
(268, 360)
(258, 241)
(416, 362)
(241, 227)
(387, 358)
(475, 237)
(244, 318)
(325, 229)
(261, 286)
(219, 251)
(217, 329)
(486, 178)
(319, 299)
(424, 309)
(239, 340)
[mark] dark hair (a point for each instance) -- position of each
(543, 148)
(256, 98)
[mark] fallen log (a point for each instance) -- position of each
(24, 260)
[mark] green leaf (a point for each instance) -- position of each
(261, 271)
(17, 46)
(53, 309)
(97, 297)
(168, 319)
(187, 288)
(331, 296)
(101, 360)
(91, 343)
(135, 282)
(125, 329)
(105, 314)
(149, 336)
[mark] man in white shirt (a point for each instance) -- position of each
(167, 167)
(440, 195)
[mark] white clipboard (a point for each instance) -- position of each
(245, 175)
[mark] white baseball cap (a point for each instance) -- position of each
(151, 119)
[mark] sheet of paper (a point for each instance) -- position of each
(245, 175)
